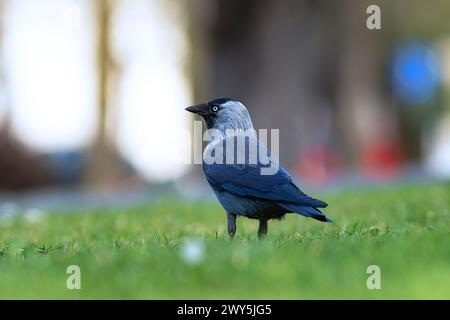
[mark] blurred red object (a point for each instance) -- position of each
(317, 164)
(382, 159)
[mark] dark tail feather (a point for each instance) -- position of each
(306, 211)
(315, 203)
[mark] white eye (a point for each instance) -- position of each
(215, 108)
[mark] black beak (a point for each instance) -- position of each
(200, 109)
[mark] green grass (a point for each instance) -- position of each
(135, 253)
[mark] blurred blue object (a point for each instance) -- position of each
(415, 72)
(67, 166)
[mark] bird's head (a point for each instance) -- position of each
(223, 114)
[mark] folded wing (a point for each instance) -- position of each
(246, 180)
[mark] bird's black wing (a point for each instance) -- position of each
(246, 180)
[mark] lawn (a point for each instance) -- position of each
(138, 252)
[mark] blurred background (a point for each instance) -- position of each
(92, 92)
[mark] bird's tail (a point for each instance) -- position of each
(305, 211)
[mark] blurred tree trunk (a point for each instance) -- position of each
(105, 167)
(19, 168)
(278, 57)
(363, 118)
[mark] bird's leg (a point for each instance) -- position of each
(231, 217)
(262, 231)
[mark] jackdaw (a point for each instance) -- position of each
(241, 185)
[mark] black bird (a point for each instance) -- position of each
(241, 187)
